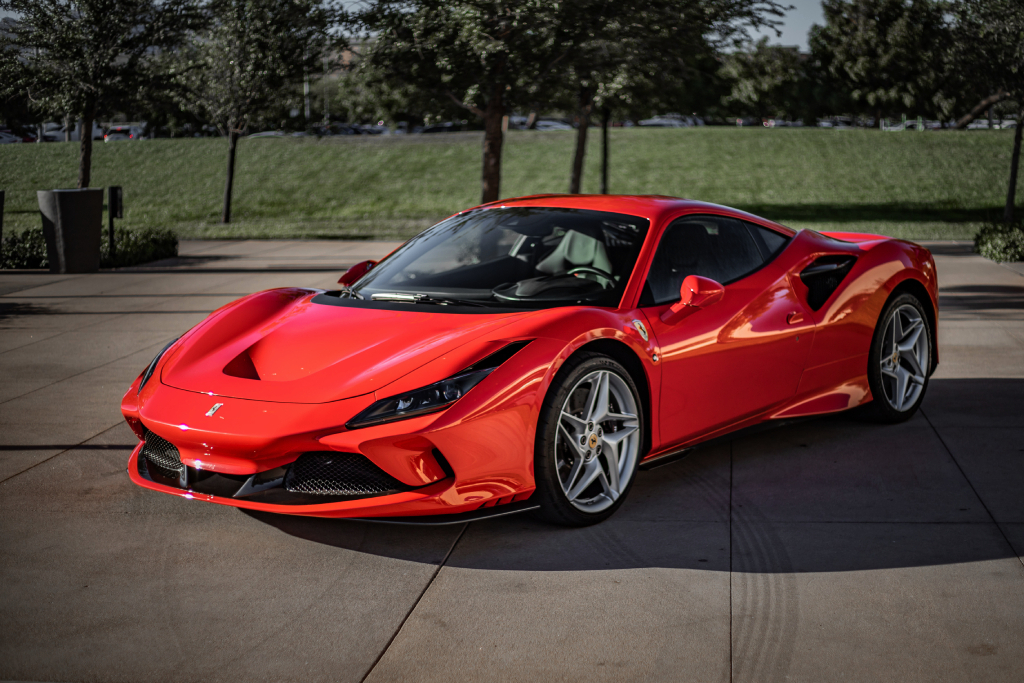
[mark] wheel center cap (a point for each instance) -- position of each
(592, 441)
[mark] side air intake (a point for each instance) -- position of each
(824, 276)
(162, 456)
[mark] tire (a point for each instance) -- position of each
(575, 455)
(898, 377)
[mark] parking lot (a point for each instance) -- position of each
(834, 549)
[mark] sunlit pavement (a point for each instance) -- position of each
(834, 549)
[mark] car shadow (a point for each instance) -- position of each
(832, 494)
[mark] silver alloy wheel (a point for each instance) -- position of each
(597, 442)
(904, 358)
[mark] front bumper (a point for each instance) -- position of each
(433, 499)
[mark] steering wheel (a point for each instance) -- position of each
(610, 281)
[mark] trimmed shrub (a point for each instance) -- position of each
(1001, 242)
(133, 247)
(24, 250)
(28, 249)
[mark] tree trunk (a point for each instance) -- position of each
(605, 116)
(67, 129)
(531, 120)
(576, 179)
(1011, 195)
(878, 119)
(232, 143)
(493, 139)
(85, 145)
(980, 108)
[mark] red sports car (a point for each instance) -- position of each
(531, 354)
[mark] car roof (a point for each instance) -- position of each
(654, 207)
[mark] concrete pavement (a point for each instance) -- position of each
(834, 549)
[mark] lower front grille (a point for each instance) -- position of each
(162, 456)
(328, 473)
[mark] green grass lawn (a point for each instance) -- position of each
(914, 185)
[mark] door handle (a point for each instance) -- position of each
(794, 318)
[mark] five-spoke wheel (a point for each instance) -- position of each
(900, 359)
(597, 441)
(588, 442)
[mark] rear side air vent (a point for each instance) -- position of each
(328, 473)
(824, 276)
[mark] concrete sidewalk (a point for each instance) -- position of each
(831, 550)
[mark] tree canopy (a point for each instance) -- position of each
(885, 55)
(239, 66)
(83, 57)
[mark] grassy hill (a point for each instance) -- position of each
(914, 185)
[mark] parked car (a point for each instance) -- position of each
(672, 121)
(266, 134)
(446, 127)
(551, 124)
(531, 354)
(116, 133)
(8, 138)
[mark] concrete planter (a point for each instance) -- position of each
(71, 224)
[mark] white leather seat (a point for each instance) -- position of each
(576, 250)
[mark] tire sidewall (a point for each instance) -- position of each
(882, 409)
(555, 507)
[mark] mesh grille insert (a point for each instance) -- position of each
(162, 455)
(339, 474)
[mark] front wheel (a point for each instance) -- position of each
(900, 359)
(588, 441)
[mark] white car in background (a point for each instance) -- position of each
(552, 125)
(123, 133)
(8, 139)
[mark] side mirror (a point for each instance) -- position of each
(355, 272)
(695, 293)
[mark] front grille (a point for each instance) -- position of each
(162, 456)
(328, 473)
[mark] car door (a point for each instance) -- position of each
(739, 356)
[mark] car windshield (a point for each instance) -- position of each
(513, 256)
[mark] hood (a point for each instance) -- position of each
(280, 346)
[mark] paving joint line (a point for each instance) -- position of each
(71, 377)
(100, 322)
(56, 455)
(732, 664)
(412, 609)
(971, 484)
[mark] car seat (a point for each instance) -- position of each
(574, 251)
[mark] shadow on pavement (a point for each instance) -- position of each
(833, 494)
(981, 298)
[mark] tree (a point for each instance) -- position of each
(989, 47)
(886, 55)
(480, 55)
(81, 58)
(619, 53)
(239, 66)
(766, 80)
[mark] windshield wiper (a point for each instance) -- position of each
(423, 299)
(351, 293)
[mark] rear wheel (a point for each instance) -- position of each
(588, 441)
(900, 359)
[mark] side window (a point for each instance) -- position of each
(769, 241)
(711, 246)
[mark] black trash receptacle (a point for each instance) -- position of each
(72, 221)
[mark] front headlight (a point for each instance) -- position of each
(429, 399)
(433, 397)
(152, 366)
